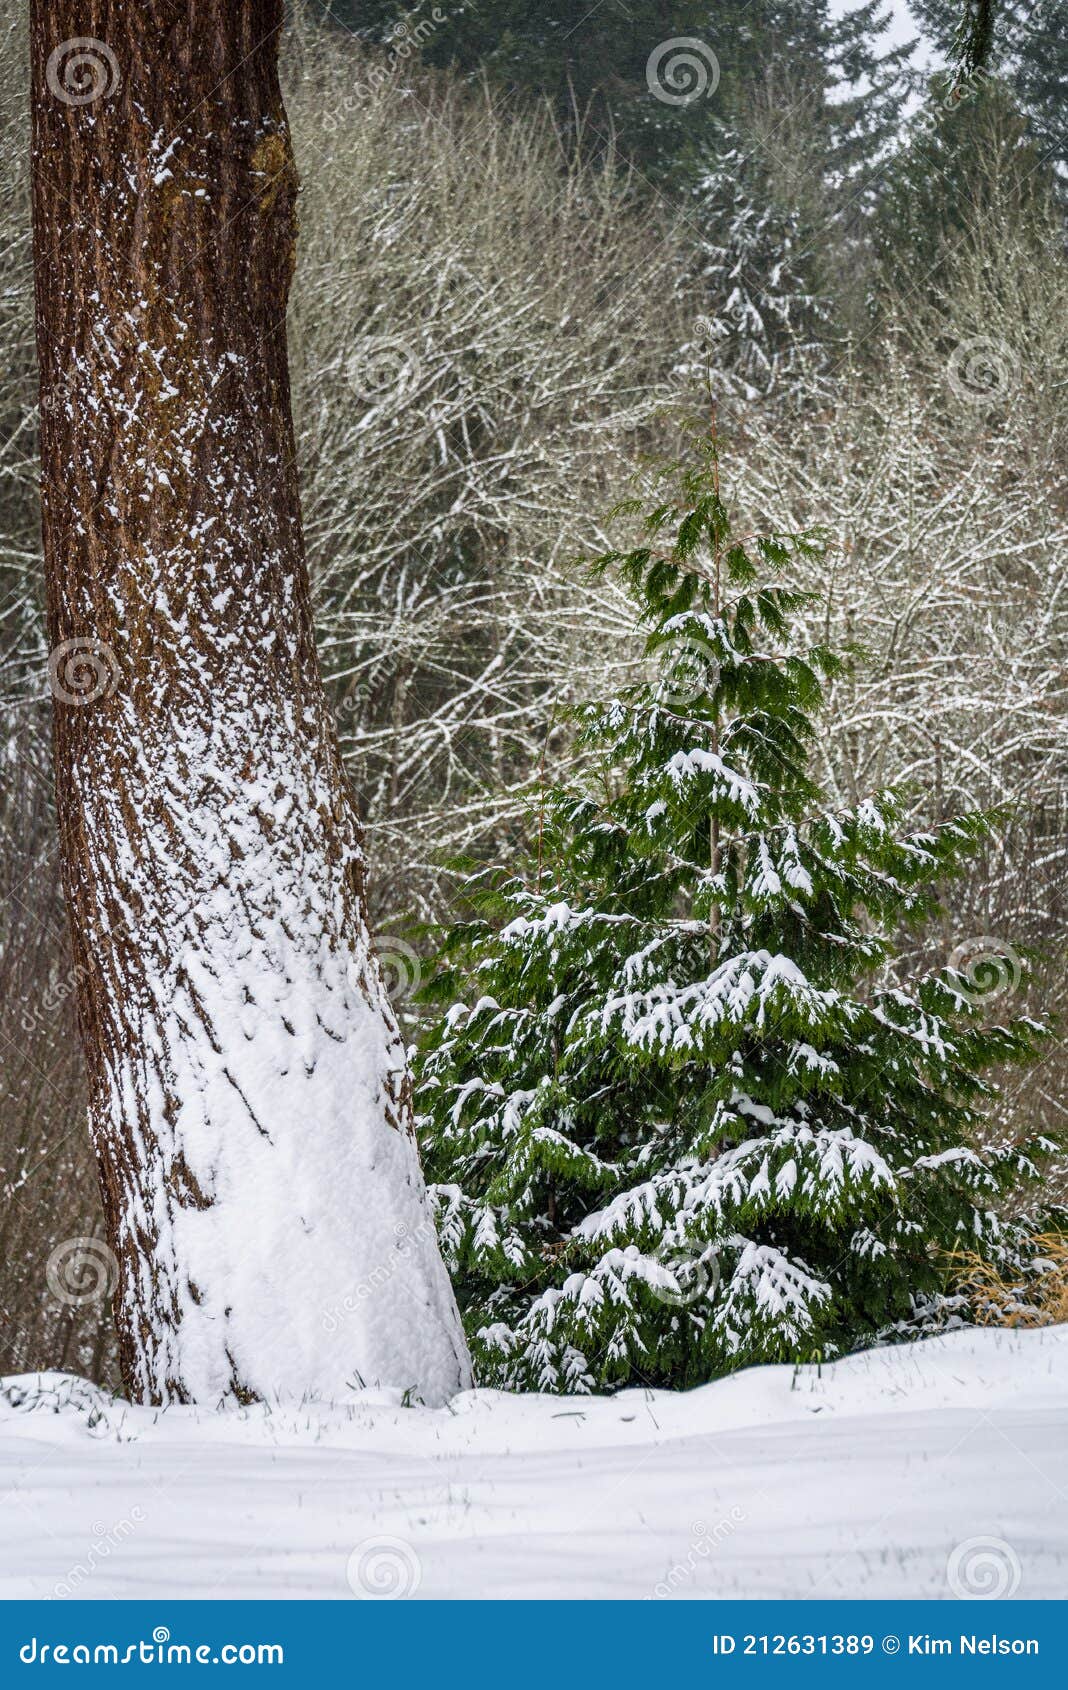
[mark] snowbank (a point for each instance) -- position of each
(935, 1469)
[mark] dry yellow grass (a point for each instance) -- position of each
(994, 1301)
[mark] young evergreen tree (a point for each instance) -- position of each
(779, 194)
(765, 313)
(682, 1113)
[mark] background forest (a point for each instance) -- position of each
(529, 249)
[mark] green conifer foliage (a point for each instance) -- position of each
(681, 1112)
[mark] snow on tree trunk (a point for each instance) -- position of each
(249, 1098)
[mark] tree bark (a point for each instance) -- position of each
(249, 1102)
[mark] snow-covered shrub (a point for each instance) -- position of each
(765, 319)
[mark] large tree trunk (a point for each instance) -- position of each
(249, 1102)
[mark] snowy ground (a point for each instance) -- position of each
(937, 1469)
